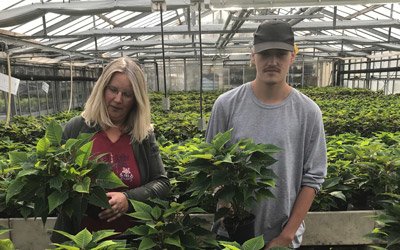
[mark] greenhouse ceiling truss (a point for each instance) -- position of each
(90, 32)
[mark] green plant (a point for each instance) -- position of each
(255, 243)
(84, 240)
(56, 176)
(170, 225)
(237, 174)
(5, 244)
(388, 229)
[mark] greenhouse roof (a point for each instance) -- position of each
(88, 32)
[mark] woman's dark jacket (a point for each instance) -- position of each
(154, 180)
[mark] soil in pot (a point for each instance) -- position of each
(240, 230)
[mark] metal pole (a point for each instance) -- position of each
(165, 102)
(201, 63)
(163, 50)
(9, 90)
(72, 89)
(157, 76)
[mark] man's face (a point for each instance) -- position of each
(272, 65)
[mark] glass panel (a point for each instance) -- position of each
(23, 98)
(33, 96)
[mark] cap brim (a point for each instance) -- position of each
(272, 45)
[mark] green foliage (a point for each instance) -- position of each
(175, 158)
(388, 229)
(238, 173)
(359, 170)
(170, 225)
(251, 244)
(84, 240)
(356, 110)
(56, 176)
(24, 131)
(5, 244)
(256, 243)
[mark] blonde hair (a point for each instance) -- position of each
(138, 122)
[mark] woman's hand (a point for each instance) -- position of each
(119, 206)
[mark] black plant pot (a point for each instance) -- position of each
(240, 230)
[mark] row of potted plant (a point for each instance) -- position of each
(344, 110)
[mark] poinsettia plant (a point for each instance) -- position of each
(237, 174)
(170, 225)
(57, 176)
(86, 240)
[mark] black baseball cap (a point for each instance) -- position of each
(273, 35)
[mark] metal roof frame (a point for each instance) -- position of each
(333, 29)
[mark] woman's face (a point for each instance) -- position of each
(119, 98)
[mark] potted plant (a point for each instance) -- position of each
(170, 225)
(387, 231)
(237, 174)
(56, 176)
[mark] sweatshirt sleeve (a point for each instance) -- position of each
(315, 161)
(218, 120)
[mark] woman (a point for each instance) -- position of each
(118, 113)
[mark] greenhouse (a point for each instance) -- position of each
(191, 55)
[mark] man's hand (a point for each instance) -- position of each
(119, 206)
(280, 241)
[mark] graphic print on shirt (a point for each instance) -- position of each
(121, 168)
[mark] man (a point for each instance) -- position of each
(270, 111)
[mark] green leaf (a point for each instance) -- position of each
(203, 156)
(230, 245)
(71, 142)
(221, 139)
(6, 244)
(98, 197)
(196, 210)
(67, 235)
(17, 158)
(227, 159)
(331, 182)
(147, 243)
(26, 172)
(43, 146)
(83, 238)
(139, 230)
(254, 243)
(338, 194)
(109, 180)
(102, 234)
(174, 241)
(82, 186)
(4, 230)
(56, 182)
(84, 154)
(54, 133)
(142, 216)
(65, 247)
(156, 212)
(105, 245)
(14, 188)
(56, 199)
(141, 206)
